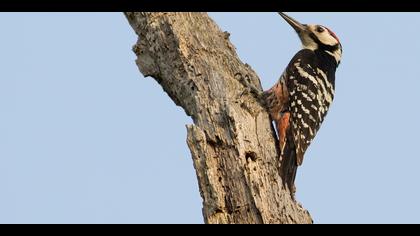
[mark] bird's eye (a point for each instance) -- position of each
(319, 29)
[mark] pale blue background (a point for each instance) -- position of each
(84, 138)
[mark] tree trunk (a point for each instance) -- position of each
(232, 141)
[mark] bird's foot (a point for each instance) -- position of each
(246, 82)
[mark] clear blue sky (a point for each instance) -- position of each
(84, 138)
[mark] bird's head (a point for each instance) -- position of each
(316, 37)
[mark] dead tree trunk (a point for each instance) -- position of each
(232, 142)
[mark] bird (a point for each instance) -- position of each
(299, 101)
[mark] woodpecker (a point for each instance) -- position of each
(299, 101)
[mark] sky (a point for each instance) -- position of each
(85, 138)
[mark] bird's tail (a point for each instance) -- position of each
(289, 164)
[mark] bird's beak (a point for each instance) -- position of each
(299, 28)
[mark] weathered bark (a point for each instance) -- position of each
(232, 141)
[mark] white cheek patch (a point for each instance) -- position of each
(326, 38)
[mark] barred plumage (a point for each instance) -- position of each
(311, 88)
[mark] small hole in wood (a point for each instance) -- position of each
(218, 210)
(251, 156)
